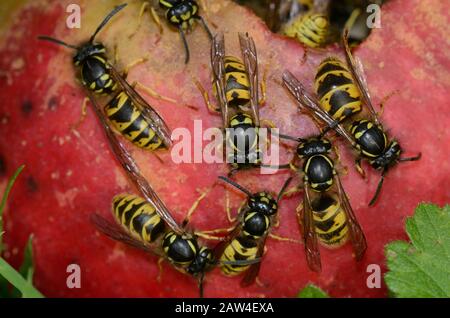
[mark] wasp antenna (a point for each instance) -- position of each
(106, 20)
(238, 186)
(377, 192)
(205, 25)
(283, 188)
(282, 136)
(59, 42)
(200, 283)
(185, 44)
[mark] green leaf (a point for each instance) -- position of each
(26, 269)
(5, 198)
(25, 287)
(421, 268)
(312, 291)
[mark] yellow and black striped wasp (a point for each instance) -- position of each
(129, 113)
(181, 14)
(326, 214)
(147, 223)
(340, 95)
(246, 240)
(310, 28)
(236, 86)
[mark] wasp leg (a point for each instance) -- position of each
(144, 6)
(185, 44)
(268, 123)
(384, 101)
(83, 114)
(292, 191)
(194, 206)
(263, 86)
(154, 94)
(299, 213)
(284, 239)
(206, 236)
(359, 168)
(127, 68)
(338, 160)
(259, 283)
(212, 108)
(227, 208)
(155, 17)
(215, 231)
(160, 269)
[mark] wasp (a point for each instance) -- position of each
(181, 14)
(129, 113)
(246, 240)
(325, 215)
(236, 85)
(341, 91)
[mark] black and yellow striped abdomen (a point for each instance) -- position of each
(310, 29)
(237, 89)
(240, 248)
(138, 217)
(128, 120)
(338, 94)
(330, 220)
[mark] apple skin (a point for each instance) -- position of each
(71, 173)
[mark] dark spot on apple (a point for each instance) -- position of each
(52, 103)
(27, 107)
(32, 185)
(2, 166)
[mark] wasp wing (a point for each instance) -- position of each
(251, 67)
(218, 67)
(251, 273)
(131, 168)
(155, 121)
(113, 231)
(308, 102)
(356, 234)
(309, 233)
(357, 71)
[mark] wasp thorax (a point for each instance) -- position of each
(180, 248)
(86, 51)
(263, 203)
(313, 146)
(256, 224)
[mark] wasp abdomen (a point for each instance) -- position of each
(337, 92)
(138, 217)
(237, 87)
(240, 248)
(129, 121)
(330, 221)
(310, 29)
